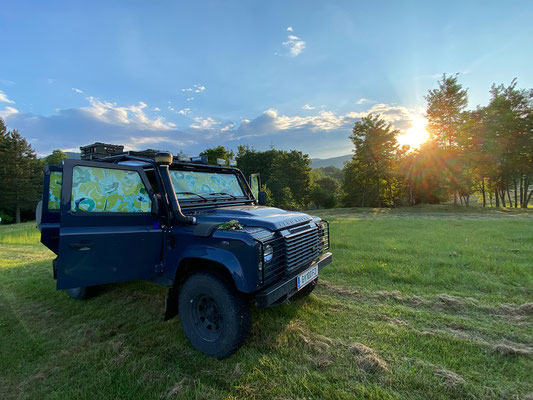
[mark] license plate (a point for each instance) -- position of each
(307, 277)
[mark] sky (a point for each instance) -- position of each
(185, 76)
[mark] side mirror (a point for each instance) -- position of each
(262, 198)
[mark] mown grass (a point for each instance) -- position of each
(420, 303)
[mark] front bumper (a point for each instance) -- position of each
(285, 289)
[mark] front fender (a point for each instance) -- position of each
(224, 257)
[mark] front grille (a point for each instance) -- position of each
(294, 250)
(301, 248)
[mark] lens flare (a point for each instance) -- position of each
(416, 134)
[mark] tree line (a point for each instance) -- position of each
(486, 152)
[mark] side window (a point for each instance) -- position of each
(54, 190)
(108, 190)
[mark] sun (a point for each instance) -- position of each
(416, 134)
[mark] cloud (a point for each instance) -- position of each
(289, 29)
(156, 109)
(308, 107)
(204, 123)
(189, 98)
(185, 111)
(7, 112)
(322, 134)
(400, 117)
(364, 101)
(295, 45)
(133, 115)
(197, 88)
(5, 99)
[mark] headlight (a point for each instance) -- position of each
(268, 253)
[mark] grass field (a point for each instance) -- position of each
(420, 303)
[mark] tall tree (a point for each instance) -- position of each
(20, 173)
(55, 158)
(369, 175)
(291, 170)
(445, 115)
(217, 152)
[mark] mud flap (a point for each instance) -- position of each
(171, 304)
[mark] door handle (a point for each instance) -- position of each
(81, 246)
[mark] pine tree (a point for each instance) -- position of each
(20, 173)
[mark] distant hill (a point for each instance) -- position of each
(334, 161)
(73, 155)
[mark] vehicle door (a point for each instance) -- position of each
(109, 229)
(48, 214)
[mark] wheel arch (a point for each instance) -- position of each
(231, 274)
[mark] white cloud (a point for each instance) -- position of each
(197, 88)
(132, 115)
(289, 29)
(189, 98)
(156, 109)
(5, 99)
(204, 123)
(185, 111)
(136, 143)
(7, 112)
(308, 107)
(364, 101)
(77, 90)
(295, 45)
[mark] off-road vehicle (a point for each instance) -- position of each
(196, 228)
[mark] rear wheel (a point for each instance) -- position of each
(78, 293)
(215, 317)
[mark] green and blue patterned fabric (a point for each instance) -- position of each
(204, 183)
(108, 190)
(54, 190)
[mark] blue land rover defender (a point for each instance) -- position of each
(196, 228)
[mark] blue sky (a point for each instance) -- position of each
(293, 75)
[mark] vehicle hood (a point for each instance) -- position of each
(260, 216)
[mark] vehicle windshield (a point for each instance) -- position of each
(202, 186)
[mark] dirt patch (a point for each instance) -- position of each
(367, 359)
(393, 294)
(449, 378)
(338, 289)
(510, 348)
(324, 351)
(511, 309)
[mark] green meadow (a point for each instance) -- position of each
(419, 303)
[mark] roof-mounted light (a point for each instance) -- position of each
(164, 158)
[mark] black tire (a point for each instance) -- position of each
(78, 293)
(215, 317)
(306, 290)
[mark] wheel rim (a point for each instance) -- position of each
(206, 317)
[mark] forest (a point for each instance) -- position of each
(481, 155)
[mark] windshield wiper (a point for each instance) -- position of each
(223, 194)
(193, 194)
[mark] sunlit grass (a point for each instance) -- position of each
(434, 294)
